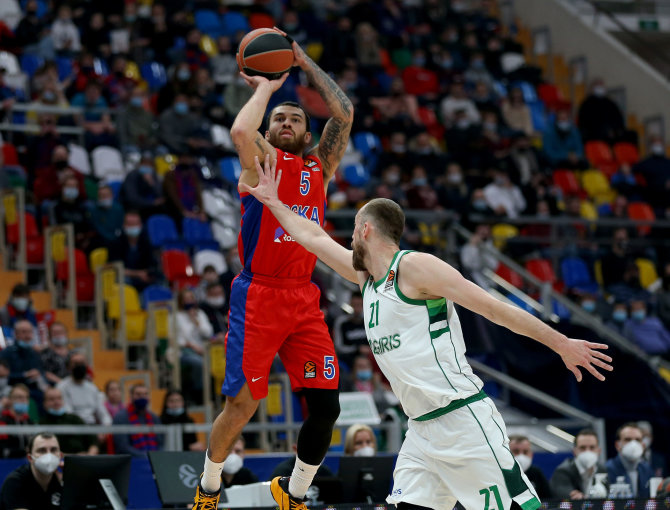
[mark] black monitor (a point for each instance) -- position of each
(366, 479)
(81, 475)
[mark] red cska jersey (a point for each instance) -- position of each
(264, 247)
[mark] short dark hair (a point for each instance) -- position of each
(632, 424)
(43, 435)
(20, 289)
(585, 432)
(308, 119)
(518, 438)
(387, 217)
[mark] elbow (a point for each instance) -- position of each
(241, 133)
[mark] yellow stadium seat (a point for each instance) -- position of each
(9, 204)
(273, 400)
(98, 258)
(648, 273)
(136, 326)
(132, 71)
(314, 50)
(501, 232)
(165, 163)
(587, 210)
(58, 246)
(597, 186)
(131, 298)
(208, 45)
(598, 272)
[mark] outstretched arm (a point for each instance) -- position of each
(305, 232)
(427, 276)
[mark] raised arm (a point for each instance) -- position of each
(335, 136)
(305, 232)
(426, 276)
(248, 141)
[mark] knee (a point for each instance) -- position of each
(323, 404)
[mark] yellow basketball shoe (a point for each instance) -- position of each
(279, 489)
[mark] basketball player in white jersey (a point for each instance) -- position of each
(456, 448)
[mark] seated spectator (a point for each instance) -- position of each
(523, 453)
(618, 317)
(397, 154)
(349, 334)
(107, 217)
(35, 485)
(655, 169)
(655, 459)
(49, 179)
(503, 196)
(234, 473)
(30, 28)
(360, 441)
(477, 207)
(516, 112)
(8, 95)
(179, 127)
(141, 189)
(193, 333)
(615, 263)
(618, 209)
(492, 142)
(420, 193)
(19, 307)
(209, 275)
(628, 461)
(65, 34)
(137, 413)
(24, 362)
(485, 100)
(524, 162)
(4, 383)
(136, 124)
(477, 72)
(95, 37)
(118, 86)
(645, 331)
(458, 101)
(13, 446)
(223, 64)
(363, 378)
(453, 193)
(399, 111)
(215, 307)
(630, 288)
(475, 256)
(134, 250)
(624, 182)
(56, 414)
(426, 151)
(599, 118)
(562, 143)
(418, 80)
(80, 395)
(71, 208)
(96, 121)
(55, 356)
(575, 477)
(174, 411)
(113, 397)
(183, 191)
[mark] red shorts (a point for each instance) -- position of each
(275, 315)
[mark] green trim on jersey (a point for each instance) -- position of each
(456, 404)
(379, 282)
(365, 286)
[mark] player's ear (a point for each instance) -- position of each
(267, 134)
(308, 137)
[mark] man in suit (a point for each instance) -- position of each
(575, 477)
(628, 462)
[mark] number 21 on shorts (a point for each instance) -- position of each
(487, 497)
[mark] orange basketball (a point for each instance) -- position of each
(265, 52)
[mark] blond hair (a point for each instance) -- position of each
(351, 435)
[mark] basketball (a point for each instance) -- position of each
(265, 52)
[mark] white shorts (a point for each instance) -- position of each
(461, 456)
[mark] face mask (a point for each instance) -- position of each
(232, 464)
(78, 372)
(130, 18)
(638, 315)
(132, 231)
(59, 340)
(419, 61)
(47, 463)
(420, 181)
(20, 303)
(183, 74)
(478, 64)
(632, 451)
(364, 375)
(490, 126)
(216, 302)
(619, 315)
(140, 403)
(145, 169)
(500, 181)
(366, 451)
(106, 203)
(20, 407)
(137, 102)
(599, 91)
(586, 459)
(56, 412)
(446, 63)
(181, 108)
(480, 205)
(589, 306)
(463, 124)
(563, 125)
(70, 193)
(392, 178)
(658, 149)
(398, 148)
(176, 411)
(454, 178)
(25, 344)
(189, 306)
(524, 461)
(49, 96)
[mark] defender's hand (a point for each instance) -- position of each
(268, 182)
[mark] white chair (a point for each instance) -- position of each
(205, 258)
(107, 161)
(18, 81)
(511, 62)
(9, 62)
(79, 159)
(10, 13)
(221, 137)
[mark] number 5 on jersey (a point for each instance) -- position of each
(374, 314)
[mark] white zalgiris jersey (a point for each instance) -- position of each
(418, 345)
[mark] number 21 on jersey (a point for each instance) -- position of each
(374, 314)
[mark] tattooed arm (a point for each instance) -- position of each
(244, 132)
(335, 135)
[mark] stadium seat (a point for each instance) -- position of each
(107, 161)
(100, 66)
(9, 62)
(567, 181)
(510, 275)
(136, 326)
(78, 159)
(625, 152)
(518, 301)
(575, 274)
(132, 71)
(161, 230)
(221, 137)
(598, 272)
(31, 63)
(648, 274)
(597, 186)
(196, 231)
(368, 143)
(208, 45)
(209, 22)
(501, 232)
(312, 101)
(529, 92)
(84, 281)
(205, 258)
(64, 67)
(538, 116)
(598, 152)
(641, 211)
(430, 120)
(98, 258)
(154, 74)
(9, 154)
(233, 22)
(231, 169)
(542, 270)
(261, 20)
(176, 265)
(550, 95)
(587, 210)
(356, 175)
(131, 301)
(155, 293)
(164, 164)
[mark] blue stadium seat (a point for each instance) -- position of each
(116, 187)
(538, 116)
(356, 175)
(64, 66)
(499, 88)
(560, 310)
(154, 74)
(155, 293)
(209, 22)
(30, 64)
(231, 169)
(161, 230)
(233, 22)
(100, 66)
(368, 143)
(521, 303)
(575, 273)
(529, 92)
(196, 231)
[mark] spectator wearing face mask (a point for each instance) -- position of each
(562, 143)
(215, 307)
(177, 126)
(35, 485)
(655, 169)
(618, 317)
(13, 446)
(174, 411)
(137, 413)
(645, 331)
(71, 208)
(503, 196)
(107, 216)
(582, 475)
(453, 192)
(420, 193)
(234, 473)
(349, 334)
(475, 256)
(364, 378)
(55, 356)
(628, 461)
(24, 362)
(141, 190)
(81, 396)
(18, 307)
(134, 250)
(655, 459)
(136, 124)
(55, 413)
(523, 453)
(113, 397)
(360, 441)
(599, 118)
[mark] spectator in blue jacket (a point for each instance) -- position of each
(18, 307)
(647, 332)
(562, 143)
(628, 462)
(25, 365)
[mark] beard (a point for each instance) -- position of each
(358, 257)
(293, 145)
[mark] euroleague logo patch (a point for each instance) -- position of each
(389, 280)
(310, 370)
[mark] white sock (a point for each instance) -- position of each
(301, 478)
(211, 478)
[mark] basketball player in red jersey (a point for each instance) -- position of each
(274, 308)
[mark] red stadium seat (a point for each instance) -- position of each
(626, 152)
(429, 119)
(567, 181)
(510, 275)
(641, 211)
(598, 152)
(85, 280)
(9, 153)
(312, 102)
(542, 270)
(261, 20)
(176, 264)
